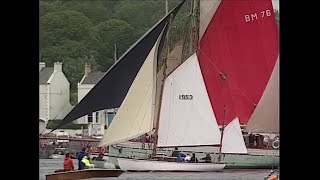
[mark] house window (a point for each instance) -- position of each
(90, 118)
(106, 119)
(97, 117)
(110, 117)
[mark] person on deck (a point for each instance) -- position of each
(193, 158)
(86, 161)
(179, 155)
(207, 159)
(180, 158)
(68, 163)
(80, 157)
(176, 152)
(99, 158)
(187, 158)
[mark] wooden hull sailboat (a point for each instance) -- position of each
(154, 165)
(255, 159)
(85, 174)
(183, 103)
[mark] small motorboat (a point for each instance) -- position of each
(59, 153)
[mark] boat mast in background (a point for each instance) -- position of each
(115, 53)
(155, 141)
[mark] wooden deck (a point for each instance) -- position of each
(85, 174)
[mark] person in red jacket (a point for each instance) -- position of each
(68, 163)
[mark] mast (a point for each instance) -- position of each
(115, 52)
(192, 7)
(222, 130)
(155, 141)
(223, 77)
(166, 6)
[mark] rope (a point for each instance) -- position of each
(216, 67)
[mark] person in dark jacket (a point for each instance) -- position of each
(193, 158)
(99, 158)
(180, 158)
(80, 157)
(176, 153)
(207, 159)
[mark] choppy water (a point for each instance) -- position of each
(47, 166)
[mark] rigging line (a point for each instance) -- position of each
(145, 96)
(230, 80)
(182, 35)
(43, 130)
(61, 109)
(145, 113)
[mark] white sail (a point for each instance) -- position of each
(265, 118)
(207, 9)
(232, 141)
(135, 115)
(186, 115)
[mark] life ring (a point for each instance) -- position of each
(276, 144)
(103, 150)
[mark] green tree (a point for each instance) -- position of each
(114, 32)
(97, 11)
(55, 27)
(68, 36)
(79, 31)
(50, 6)
(142, 14)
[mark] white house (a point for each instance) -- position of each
(98, 121)
(54, 92)
(42, 126)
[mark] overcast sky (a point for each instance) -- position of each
(275, 4)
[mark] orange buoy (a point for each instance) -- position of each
(273, 178)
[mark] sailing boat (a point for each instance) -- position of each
(140, 104)
(211, 87)
(241, 44)
(246, 85)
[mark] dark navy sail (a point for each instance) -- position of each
(111, 90)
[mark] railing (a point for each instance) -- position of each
(70, 138)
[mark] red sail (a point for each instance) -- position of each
(237, 54)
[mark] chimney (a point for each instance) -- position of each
(87, 69)
(58, 66)
(41, 65)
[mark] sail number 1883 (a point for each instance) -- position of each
(254, 16)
